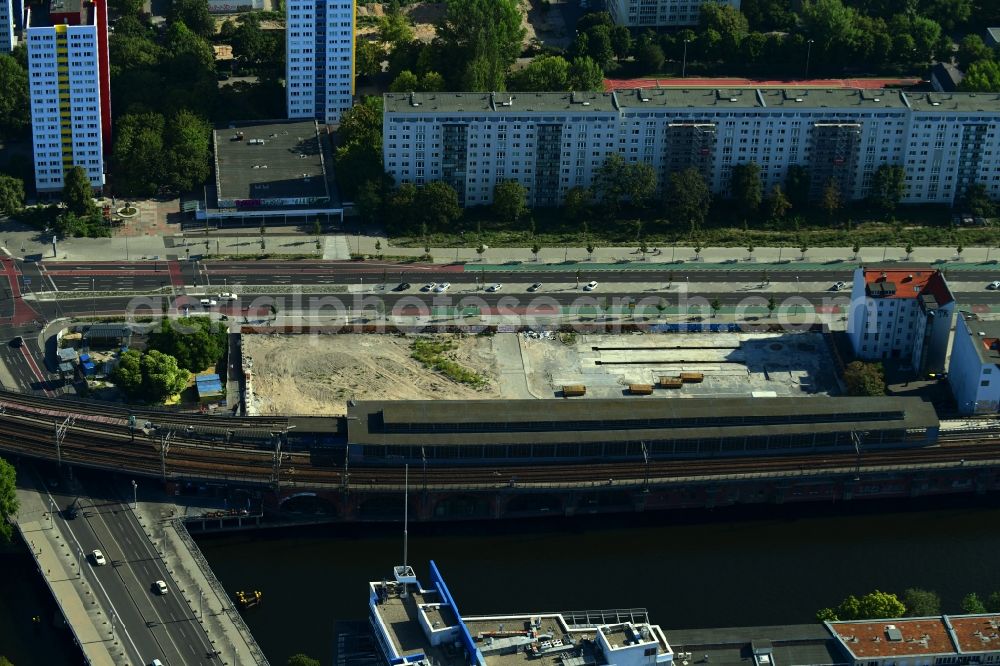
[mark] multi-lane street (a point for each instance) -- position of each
(149, 625)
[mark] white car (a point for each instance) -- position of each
(443, 287)
(227, 297)
(494, 287)
(994, 285)
(430, 286)
(210, 302)
(160, 587)
(590, 286)
(98, 558)
(837, 286)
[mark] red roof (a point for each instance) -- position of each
(977, 633)
(911, 283)
(871, 639)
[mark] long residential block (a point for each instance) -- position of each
(643, 13)
(553, 141)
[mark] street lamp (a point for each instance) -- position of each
(809, 47)
(135, 488)
(685, 64)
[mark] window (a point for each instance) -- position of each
(985, 382)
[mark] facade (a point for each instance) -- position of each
(652, 13)
(974, 366)
(69, 86)
(924, 641)
(319, 50)
(551, 142)
(901, 314)
(8, 20)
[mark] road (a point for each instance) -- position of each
(149, 625)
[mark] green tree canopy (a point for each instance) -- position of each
(150, 377)
(358, 157)
(797, 183)
(394, 28)
(976, 200)
(15, 107)
(921, 603)
(972, 49)
(864, 378)
(729, 22)
(971, 603)
(194, 14)
(77, 193)
(369, 57)
(510, 200)
(687, 197)
(484, 37)
(436, 205)
(747, 187)
(189, 150)
(621, 41)
(585, 75)
(11, 194)
(649, 57)
(888, 186)
(543, 73)
(197, 343)
(8, 499)
(302, 660)
(138, 153)
(828, 22)
(777, 203)
(872, 606)
(618, 182)
(405, 82)
(982, 76)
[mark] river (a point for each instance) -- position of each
(756, 566)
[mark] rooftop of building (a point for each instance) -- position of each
(911, 282)
(984, 336)
(544, 421)
(270, 160)
(835, 99)
(947, 634)
(993, 34)
(948, 77)
(791, 645)
(47, 14)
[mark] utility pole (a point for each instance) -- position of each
(809, 49)
(164, 449)
(685, 65)
(645, 458)
(61, 429)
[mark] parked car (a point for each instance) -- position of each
(402, 286)
(71, 511)
(227, 297)
(430, 286)
(494, 287)
(159, 587)
(17, 341)
(443, 287)
(535, 287)
(98, 558)
(837, 286)
(590, 286)
(994, 285)
(209, 302)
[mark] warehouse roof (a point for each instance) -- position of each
(552, 421)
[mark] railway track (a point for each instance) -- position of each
(28, 427)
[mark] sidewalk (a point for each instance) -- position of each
(58, 562)
(161, 520)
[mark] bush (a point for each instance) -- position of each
(431, 353)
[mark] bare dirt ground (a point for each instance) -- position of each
(307, 374)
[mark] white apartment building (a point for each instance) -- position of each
(974, 366)
(66, 100)
(551, 142)
(319, 50)
(903, 314)
(652, 13)
(8, 19)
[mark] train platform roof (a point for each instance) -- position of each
(550, 421)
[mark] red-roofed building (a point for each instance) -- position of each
(903, 314)
(926, 641)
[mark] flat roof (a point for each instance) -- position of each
(551, 421)
(632, 100)
(272, 160)
(984, 337)
(977, 633)
(791, 645)
(912, 637)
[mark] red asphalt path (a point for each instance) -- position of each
(689, 82)
(23, 312)
(42, 382)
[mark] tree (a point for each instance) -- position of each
(194, 14)
(982, 76)
(874, 605)
(535, 249)
(972, 49)
(358, 157)
(778, 204)
(599, 45)
(394, 28)
(369, 57)
(971, 603)
(830, 200)
(189, 149)
(826, 614)
(771, 305)
(993, 602)
(302, 660)
(921, 603)
(716, 305)
(909, 250)
(576, 204)
(369, 200)
(405, 82)
(77, 193)
(729, 22)
(829, 22)
(649, 57)
(976, 200)
(11, 194)
(432, 82)
(888, 186)
(8, 499)
(618, 181)
(252, 44)
(543, 73)
(510, 200)
(747, 188)
(864, 379)
(151, 376)
(688, 197)
(15, 107)
(483, 37)
(138, 153)
(436, 203)
(195, 342)
(621, 41)
(797, 185)
(585, 75)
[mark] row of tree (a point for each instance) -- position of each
(981, 63)
(915, 602)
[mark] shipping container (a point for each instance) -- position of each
(571, 390)
(640, 389)
(692, 377)
(671, 382)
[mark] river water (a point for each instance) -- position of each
(756, 566)
(760, 566)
